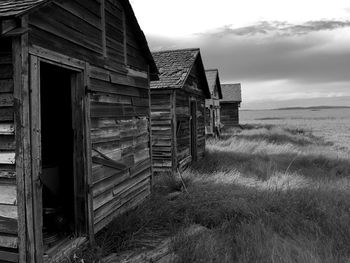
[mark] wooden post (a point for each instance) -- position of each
(88, 158)
(36, 154)
(20, 177)
(150, 127)
(23, 147)
(174, 129)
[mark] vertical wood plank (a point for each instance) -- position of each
(103, 26)
(125, 40)
(36, 154)
(17, 61)
(150, 128)
(88, 158)
(78, 91)
(27, 146)
(173, 125)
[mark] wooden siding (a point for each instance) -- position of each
(200, 127)
(171, 131)
(194, 91)
(120, 132)
(229, 114)
(96, 38)
(119, 96)
(8, 188)
(77, 29)
(212, 116)
(162, 133)
(183, 134)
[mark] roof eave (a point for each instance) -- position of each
(27, 11)
(207, 90)
(153, 69)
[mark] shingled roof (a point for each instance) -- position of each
(175, 66)
(11, 8)
(213, 79)
(231, 92)
(16, 8)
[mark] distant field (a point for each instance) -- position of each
(332, 124)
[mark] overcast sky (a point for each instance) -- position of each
(284, 52)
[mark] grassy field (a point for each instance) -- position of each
(263, 193)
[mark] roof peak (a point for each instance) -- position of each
(231, 84)
(176, 50)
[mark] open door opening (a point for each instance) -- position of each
(194, 131)
(61, 171)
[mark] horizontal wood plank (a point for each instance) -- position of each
(8, 194)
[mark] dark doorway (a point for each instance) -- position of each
(194, 130)
(60, 171)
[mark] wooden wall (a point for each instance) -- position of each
(162, 130)
(76, 28)
(118, 92)
(229, 114)
(212, 116)
(171, 131)
(8, 188)
(209, 128)
(119, 130)
(200, 127)
(183, 134)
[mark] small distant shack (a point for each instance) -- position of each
(212, 106)
(74, 123)
(229, 105)
(178, 109)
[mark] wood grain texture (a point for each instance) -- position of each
(120, 129)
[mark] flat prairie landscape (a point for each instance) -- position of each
(331, 124)
(275, 190)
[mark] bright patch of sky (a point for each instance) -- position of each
(183, 17)
(282, 51)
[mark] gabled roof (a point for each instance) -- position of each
(231, 92)
(16, 8)
(214, 80)
(175, 66)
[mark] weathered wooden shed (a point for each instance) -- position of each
(178, 109)
(212, 105)
(74, 122)
(229, 105)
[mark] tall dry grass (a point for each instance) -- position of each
(264, 194)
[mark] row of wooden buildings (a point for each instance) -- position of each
(87, 116)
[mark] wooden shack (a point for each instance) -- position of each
(229, 105)
(74, 122)
(178, 109)
(212, 105)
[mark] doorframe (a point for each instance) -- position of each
(80, 81)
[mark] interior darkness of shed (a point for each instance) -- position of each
(5, 45)
(57, 141)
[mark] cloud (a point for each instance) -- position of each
(282, 28)
(274, 66)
